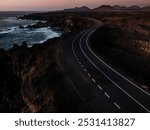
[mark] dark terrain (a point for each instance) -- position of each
(124, 40)
(33, 80)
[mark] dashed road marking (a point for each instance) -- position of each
(85, 70)
(93, 80)
(107, 95)
(89, 75)
(99, 87)
(117, 105)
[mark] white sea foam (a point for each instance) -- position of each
(48, 33)
(9, 19)
(13, 34)
(8, 30)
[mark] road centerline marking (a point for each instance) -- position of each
(85, 70)
(99, 87)
(89, 75)
(107, 95)
(107, 76)
(82, 66)
(117, 105)
(93, 80)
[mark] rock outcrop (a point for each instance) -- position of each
(32, 80)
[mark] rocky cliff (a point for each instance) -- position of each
(31, 80)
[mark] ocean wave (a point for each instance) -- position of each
(8, 30)
(48, 33)
(13, 34)
(9, 19)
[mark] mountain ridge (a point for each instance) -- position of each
(107, 8)
(78, 9)
(120, 8)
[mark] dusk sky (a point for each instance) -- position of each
(16, 5)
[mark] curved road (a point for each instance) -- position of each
(103, 88)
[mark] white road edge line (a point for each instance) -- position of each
(112, 68)
(74, 41)
(109, 78)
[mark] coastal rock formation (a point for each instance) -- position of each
(10, 96)
(32, 80)
(58, 19)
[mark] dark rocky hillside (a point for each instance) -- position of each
(31, 80)
(118, 46)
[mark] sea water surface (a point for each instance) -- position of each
(10, 33)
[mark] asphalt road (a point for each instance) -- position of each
(103, 88)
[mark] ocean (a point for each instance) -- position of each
(10, 33)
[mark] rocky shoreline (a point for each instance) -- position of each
(58, 21)
(31, 79)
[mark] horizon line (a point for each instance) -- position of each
(43, 10)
